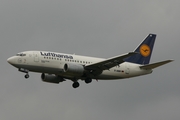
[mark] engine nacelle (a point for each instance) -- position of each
(51, 78)
(74, 69)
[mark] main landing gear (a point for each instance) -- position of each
(88, 80)
(76, 83)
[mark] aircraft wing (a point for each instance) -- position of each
(109, 63)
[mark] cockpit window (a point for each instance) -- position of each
(20, 54)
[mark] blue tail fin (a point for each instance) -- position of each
(145, 50)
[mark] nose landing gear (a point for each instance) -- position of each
(26, 76)
(25, 71)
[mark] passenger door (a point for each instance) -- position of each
(127, 69)
(36, 57)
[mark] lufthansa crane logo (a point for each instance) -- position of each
(145, 50)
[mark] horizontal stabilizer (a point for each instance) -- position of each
(155, 65)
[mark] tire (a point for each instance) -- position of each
(75, 85)
(88, 80)
(26, 76)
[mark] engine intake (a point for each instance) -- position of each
(51, 78)
(74, 69)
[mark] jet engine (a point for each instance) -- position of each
(74, 69)
(51, 78)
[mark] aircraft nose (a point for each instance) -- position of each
(10, 60)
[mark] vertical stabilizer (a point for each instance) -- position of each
(144, 49)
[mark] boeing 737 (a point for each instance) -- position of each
(58, 67)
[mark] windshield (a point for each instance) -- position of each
(20, 54)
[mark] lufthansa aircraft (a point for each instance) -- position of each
(57, 67)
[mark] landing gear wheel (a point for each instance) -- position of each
(75, 84)
(26, 76)
(88, 80)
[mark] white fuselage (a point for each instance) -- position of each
(53, 63)
(57, 67)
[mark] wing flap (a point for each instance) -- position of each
(155, 65)
(109, 63)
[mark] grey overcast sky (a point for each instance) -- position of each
(99, 28)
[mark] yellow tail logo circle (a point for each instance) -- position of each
(145, 50)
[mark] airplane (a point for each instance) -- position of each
(58, 67)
